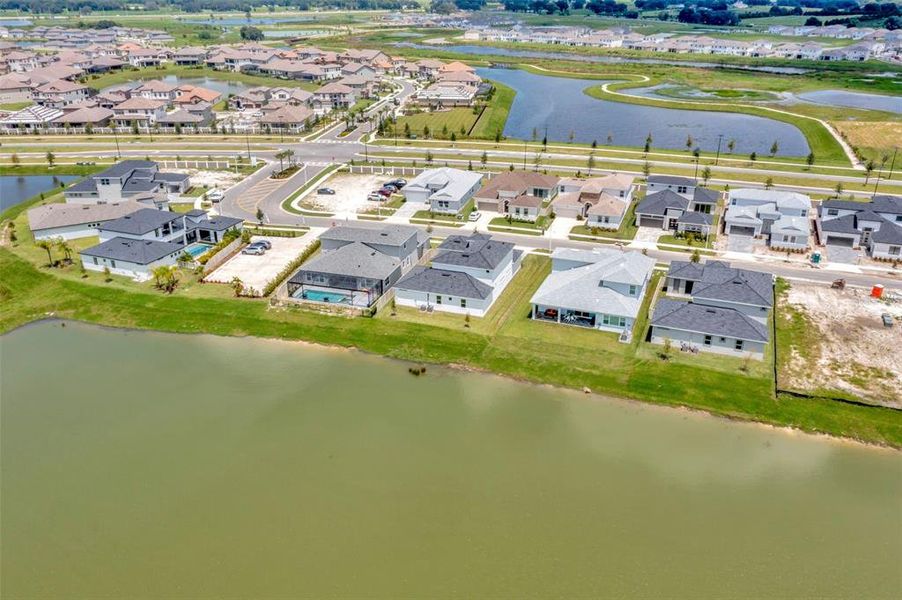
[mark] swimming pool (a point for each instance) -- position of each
(196, 249)
(329, 297)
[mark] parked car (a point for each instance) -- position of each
(265, 243)
(214, 196)
(325, 191)
(385, 192)
(887, 319)
(254, 249)
(398, 183)
(375, 197)
(474, 216)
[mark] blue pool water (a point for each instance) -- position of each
(330, 297)
(196, 249)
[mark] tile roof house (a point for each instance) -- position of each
(517, 193)
(357, 265)
(875, 225)
(601, 201)
(288, 117)
(726, 311)
(444, 190)
(468, 273)
(88, 116)
(136, 110)
(600, 288)
(781, 217)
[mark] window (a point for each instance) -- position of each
(898, 218)
(895, 250)
(113, 263)
(438, 299)
(681, 189)
(634, 289)
(95, 260)
(832, 212)
(739, 344)
(707, 340)
(104, 181)
(463, 302)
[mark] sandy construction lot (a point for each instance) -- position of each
(256, 271)
(221, 180)
(847, 347)
(351, 191)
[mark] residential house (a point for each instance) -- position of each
(74, 221)
(780, 217)
(136, 258)
(726, 311)
(85, 117)
(142, 112)
(686, 212)
(139, 180)
(521, 194)
(444, 93)
(444, 190)
(189, 56)
(875, 225)
(601, 201)
(332, 96)
(357, 265)
(600, 288)
(287, 117)
(468, 273)
(60, 93)
(157, 90)
(31, 117)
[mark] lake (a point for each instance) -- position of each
(560, 104)
(241, 21)
(223, 86)
(153, 465)
(854, 100)
(18, 188)
(510, 52)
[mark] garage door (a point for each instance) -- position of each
(646, 221)
(839, 241)
(737, 230)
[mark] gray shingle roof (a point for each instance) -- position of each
(353, 260)
(717, 280)
(477, 250)
(843, 224)
(390, 235)
(889, 233)
(141, 252)
(705, 196)
(141, 221)
(670, 180)
(440, 281)
(658, 202)
(709, 320)
(696, 218)
(125, 167)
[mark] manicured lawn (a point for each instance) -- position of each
(126, 75)
(16, 105)
(626, 231)
(540, 224)
(425, 215)
(506, 342)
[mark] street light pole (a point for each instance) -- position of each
(892, 164)
(248, 144)
(116, 136)
(717, 156)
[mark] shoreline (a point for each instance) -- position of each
(53, 319)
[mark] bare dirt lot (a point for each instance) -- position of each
(840, 343)
(256, 271)
(350, 195)
(211, 179)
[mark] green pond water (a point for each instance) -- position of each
(161, 466)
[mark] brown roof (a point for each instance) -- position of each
(527, 201)
(516, 181)
(609, 206)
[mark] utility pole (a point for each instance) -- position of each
(524, 155)
(892, 163)
(717, 156)
(116, 136)
(248, 144)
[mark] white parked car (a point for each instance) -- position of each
(214, 195)
(474, 216)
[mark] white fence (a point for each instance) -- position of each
(186, 130)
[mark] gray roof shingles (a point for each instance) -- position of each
(709, 320)
(717, 280)
(441, 281)
(658, 203)
(141, 221)
(141, 252)
(478, 250)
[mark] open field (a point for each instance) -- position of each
(873, 140)
(102, 81)
(833, 343)
(461, 121)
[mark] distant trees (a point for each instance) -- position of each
(250, 33)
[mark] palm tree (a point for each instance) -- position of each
(868, 169)
(774, 148)
(706, 174)
(48, 246)
(64, 247)
(590, 163)
(731, 145)
(484, 158)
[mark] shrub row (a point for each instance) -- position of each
(290, 267)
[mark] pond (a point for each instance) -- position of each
(560, 105)
(270, 469)
(854, 100)
(496, 51)
(288, 33)
(223, 86)
(18, 188)
(241, 21)
(15, 23)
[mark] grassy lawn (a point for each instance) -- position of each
(873, 140)
(508, 342)
(822, 143)
(11, 106)
(540, 224)
(462, 121)
(626, 231)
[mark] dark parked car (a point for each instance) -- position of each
(265, 243)
(326, 191)
(398, 183)
(887, 319)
